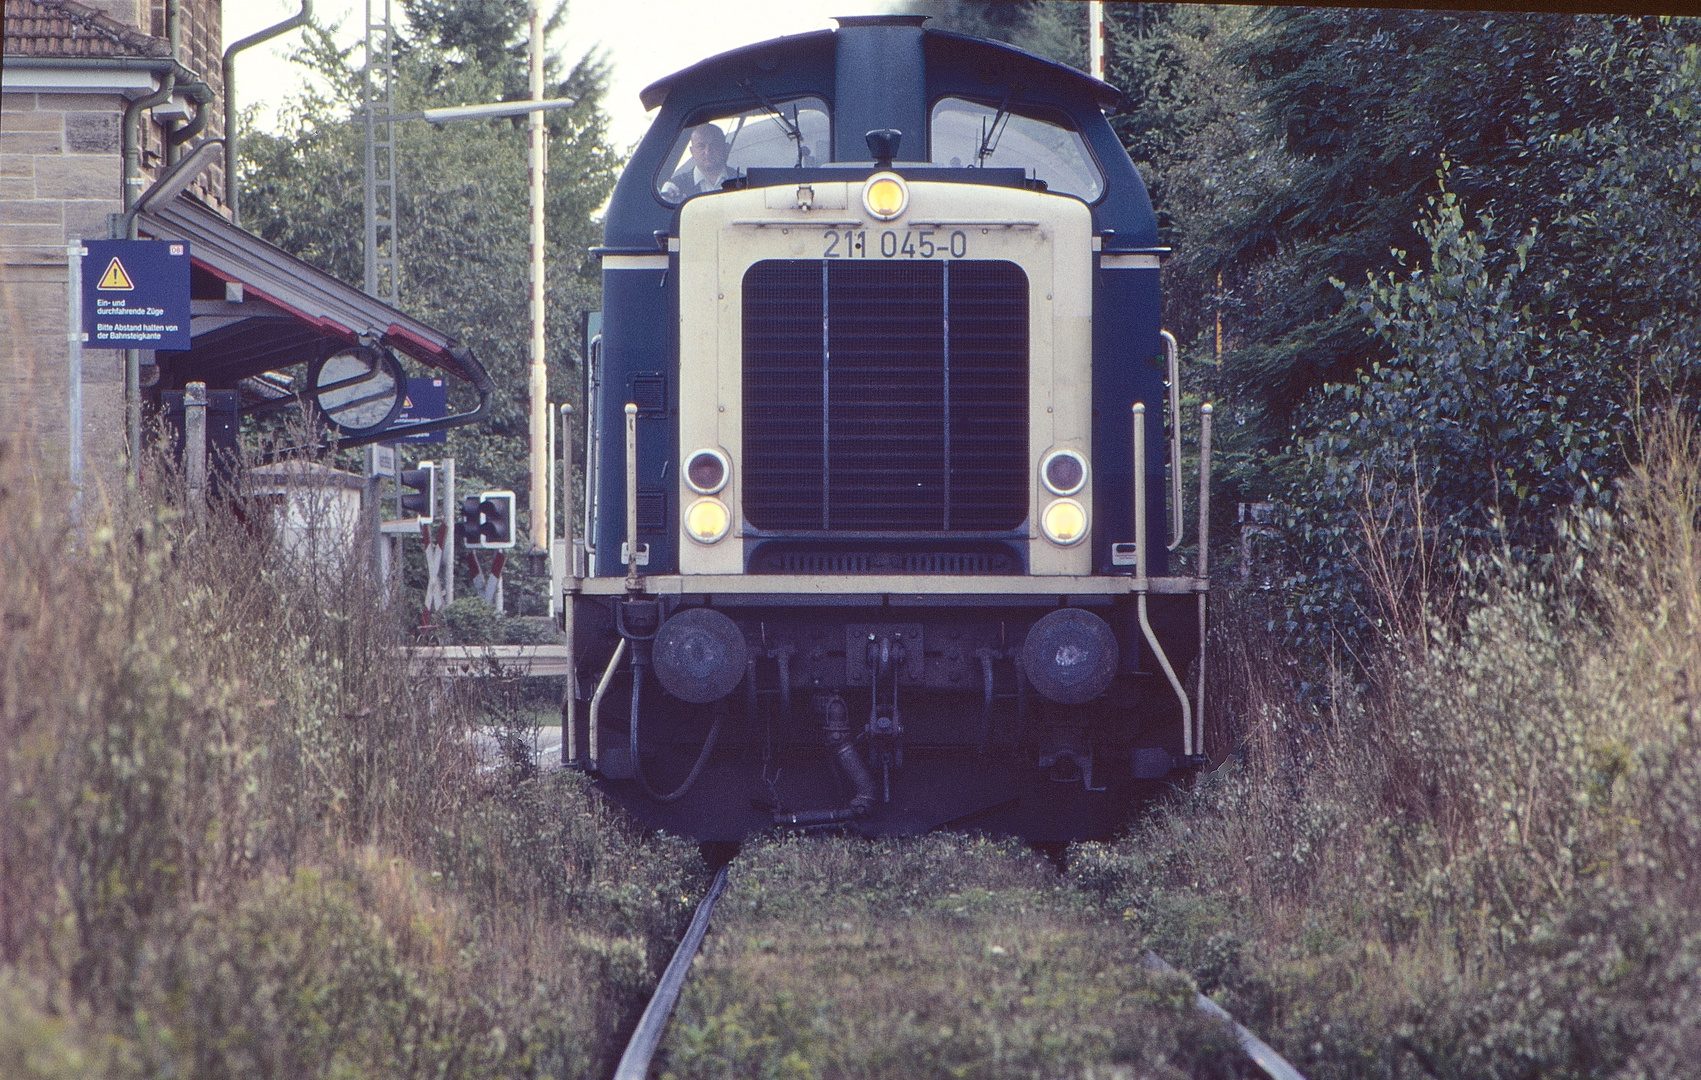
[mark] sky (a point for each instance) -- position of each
(644, 40)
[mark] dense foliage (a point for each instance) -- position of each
(462, 207)
(1484, 866)
(1515, 373)
(237, 839)
(1435, 265)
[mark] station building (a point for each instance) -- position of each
(81, 90)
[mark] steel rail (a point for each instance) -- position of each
(641, 1048)
(635, 1062)
(1273, 1064)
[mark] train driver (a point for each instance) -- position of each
(707, 167)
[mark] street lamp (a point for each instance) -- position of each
(493, 111)
(539, 426)
(538, 381)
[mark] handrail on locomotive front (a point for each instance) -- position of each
(1141, 587)
(1194, 740)
(1193, 714)
(1177, 522)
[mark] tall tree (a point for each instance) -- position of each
(462, 210)
(493, 36)
(1365, 104)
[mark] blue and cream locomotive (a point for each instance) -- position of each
(879, 501)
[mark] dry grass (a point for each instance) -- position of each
(235, 839)
(1487, 864)
(940, 956)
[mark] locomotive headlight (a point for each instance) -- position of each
(1064, 472)
(707, 520)
(885, 195)
(1064, 522)
(706, 471)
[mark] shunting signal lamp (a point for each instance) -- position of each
(706, 471)
(487, 520)
(421, 502)
(1064, 472)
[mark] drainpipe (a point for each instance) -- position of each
(201, 95)
(173, 35)
(133, 144)
(132, 185)
(231, 149)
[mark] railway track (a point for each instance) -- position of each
(635, 1062)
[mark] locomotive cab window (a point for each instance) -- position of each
(970, 134)
(784, 134)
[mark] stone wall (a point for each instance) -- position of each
(60, 176)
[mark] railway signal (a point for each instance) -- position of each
(487, 520)
(421, 501)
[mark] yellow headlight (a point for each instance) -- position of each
(1064, 522)
(885, 196)
(707, 520)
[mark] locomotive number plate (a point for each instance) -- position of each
(893, 244)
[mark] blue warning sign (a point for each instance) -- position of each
(136, 294)
(428, 399)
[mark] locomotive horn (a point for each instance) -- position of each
(1070, 656)
(700, 655)
(883, 144)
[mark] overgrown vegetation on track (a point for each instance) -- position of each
(237, 840)
(938, 956)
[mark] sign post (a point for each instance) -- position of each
(74, 252)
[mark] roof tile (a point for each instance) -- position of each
(65, 28)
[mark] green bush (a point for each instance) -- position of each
(236, 838)
(1482, 865)
(1480, 427)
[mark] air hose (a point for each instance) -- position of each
(843, 750)
(720, 711)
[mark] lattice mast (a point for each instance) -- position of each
(378, 106)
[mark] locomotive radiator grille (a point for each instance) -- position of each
(861, 559)
(888, 396)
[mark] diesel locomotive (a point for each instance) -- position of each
(881, 443)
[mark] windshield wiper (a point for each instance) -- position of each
(788, 124)
(989, 135)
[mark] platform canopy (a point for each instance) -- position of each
(257, 311)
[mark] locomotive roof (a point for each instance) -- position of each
(879, 72)
(1032, 70)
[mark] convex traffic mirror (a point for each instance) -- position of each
(358, 390)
